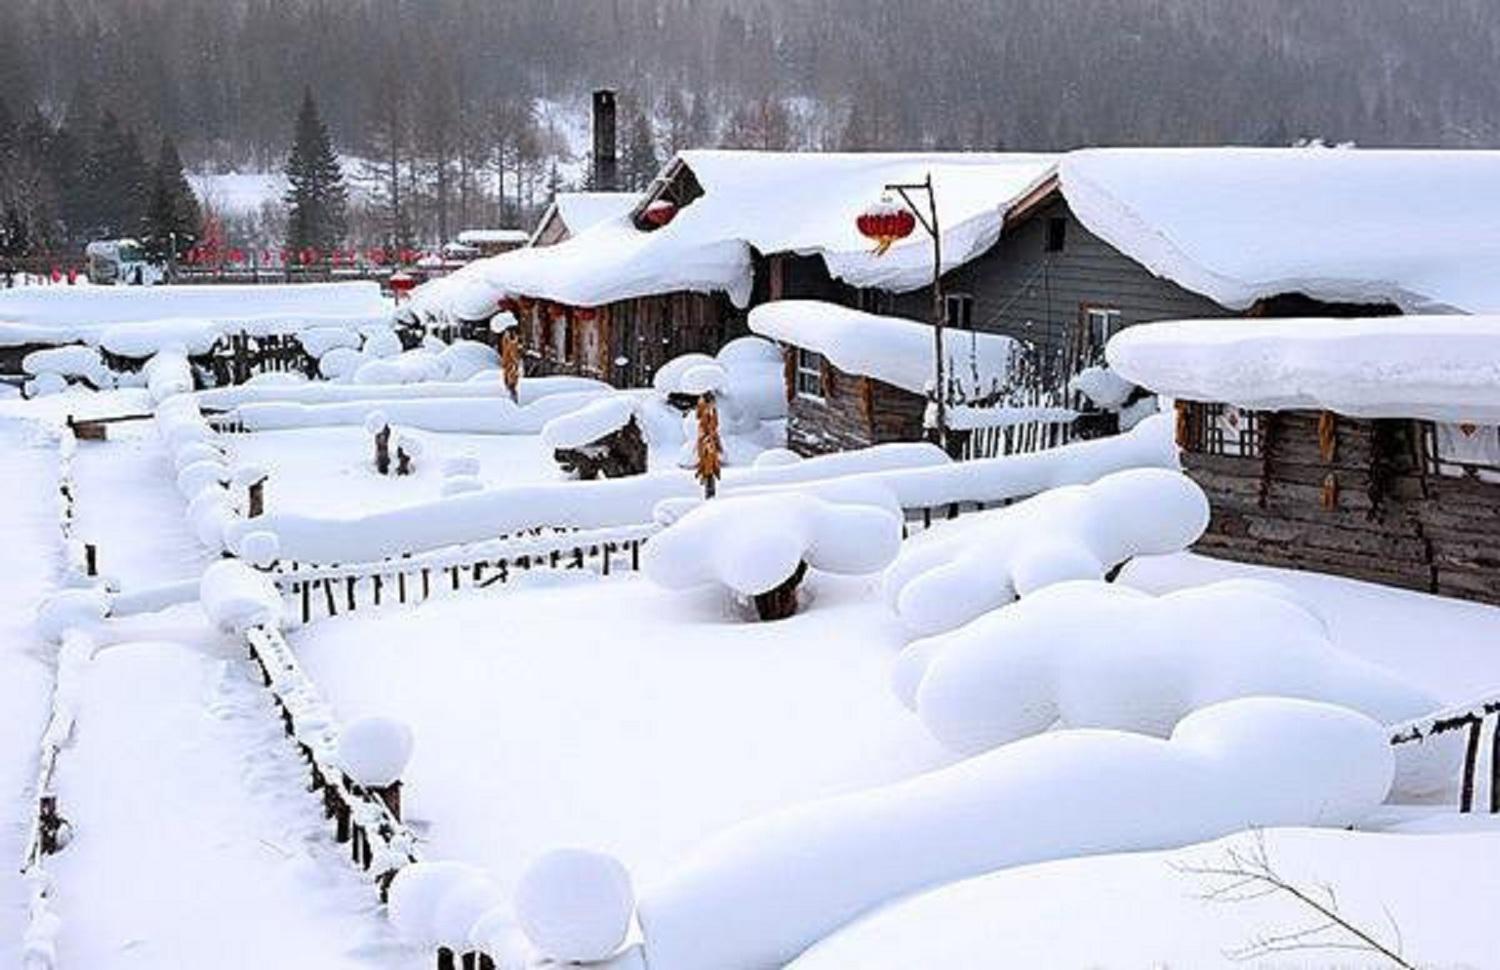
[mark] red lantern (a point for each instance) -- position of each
(885, 222)
(659, 213)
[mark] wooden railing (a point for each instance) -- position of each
(1470, 718)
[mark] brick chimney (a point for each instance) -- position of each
(606, 163)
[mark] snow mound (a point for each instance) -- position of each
(589, 423)
(460, 466)
(70, 608)
(460, 907)
(460, 485)
(1106, 388)
(948, 577)
(575, 905)
(762, 891)
(236, 597)
(752, 544)
(260, 548)
(374, 750)
(775, 457)
(417, 893)
(1096, 655)
(74, 360)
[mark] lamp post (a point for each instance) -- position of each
(885, 222)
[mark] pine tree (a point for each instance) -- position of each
(700, 125)
(116, 182)
(641, 161)
(317, 198)
(173, 218)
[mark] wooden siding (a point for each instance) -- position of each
(1023, 291)
(1370, 510)
(855, 412)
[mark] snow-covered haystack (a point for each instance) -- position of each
(948, 577)
(762, 891)
(374, 750)
(236, 597)
(761, 545)
(575, 905)
(1096, 655)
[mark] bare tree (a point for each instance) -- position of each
(1247, 874)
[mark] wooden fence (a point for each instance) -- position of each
(330, 589)
(1470, 718)
(364, 819)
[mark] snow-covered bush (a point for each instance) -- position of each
(757, 543)
(762, 891)
(374, 750)
(948, 577)
(236, 597)
(575, 905)
(1097, 655)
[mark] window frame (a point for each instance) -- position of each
(964, 304)
(808, 368)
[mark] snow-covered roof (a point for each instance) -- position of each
(895, 350)
(1416, 228)
(482, 237)
(582, 210)
(772, 202)
(1441, 368)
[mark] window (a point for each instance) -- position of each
(1103, 323)
(1463, 450)
(874, 301)
(959, 311)
(1057, 234)
(809, 374)
(1221, 429)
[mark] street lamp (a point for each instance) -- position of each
(885, 222)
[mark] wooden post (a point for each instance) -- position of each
(90, 559)
(383, 450)
(391, 795)
(257, 499)
(1471, 757)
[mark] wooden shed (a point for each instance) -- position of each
(1367, 448)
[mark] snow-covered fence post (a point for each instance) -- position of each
(710, 464)
(510, 362)
(373, 752)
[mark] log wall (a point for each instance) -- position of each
(855, 412)
(1370, 510)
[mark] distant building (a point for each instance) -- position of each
(492, 242)
(572, 212)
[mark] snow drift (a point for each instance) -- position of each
(764, 890)
(1097, 655)
(946, 578)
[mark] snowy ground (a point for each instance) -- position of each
(329, 471)
(663, 717)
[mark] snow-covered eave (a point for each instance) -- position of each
(1436, 368)
(1133, 234)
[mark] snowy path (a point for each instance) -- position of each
(129, 506)
(193, 843)
(29, 536)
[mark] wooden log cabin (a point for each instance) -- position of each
(1362, 448)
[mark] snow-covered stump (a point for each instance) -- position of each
(761, 546)
(408, 450)
(601, 438)
(380, 430)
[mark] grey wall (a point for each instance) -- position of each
(1023, 291)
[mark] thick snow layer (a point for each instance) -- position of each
(575, 905)
(752, 544)
(894, 350)
(69, 609)
(771, 201)
(73, 360)
(530, 390)
(947, 577)
(761, 892)
(586, 505)
(374, 750)
(1442, 368)
(1143, 909)
(582, 210)
(460, 415)
(1106, 388)
(1239, 224)
(236, 597)
(588, 424)
(418, 893)
(1097, 655)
